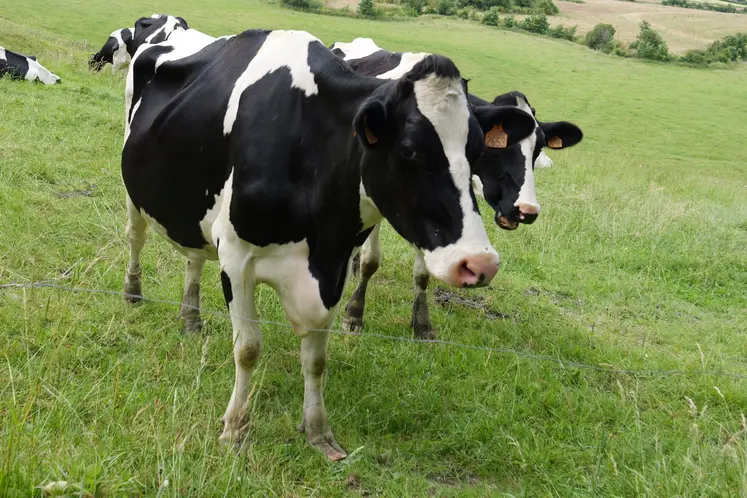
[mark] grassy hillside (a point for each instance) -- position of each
(638, 262)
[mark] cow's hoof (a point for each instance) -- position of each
(192, 322)
(232, 438)
(133, 291)
(424, 331)
(352, 324)
(327, 445)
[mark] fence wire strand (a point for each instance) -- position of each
(442, 342)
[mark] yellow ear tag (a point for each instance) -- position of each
(496, 138)
(369, 134)
(555, 143)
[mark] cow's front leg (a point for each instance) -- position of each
(315, 423)
(370, 261)
(190, 308)
(238, 288)
(421, 319)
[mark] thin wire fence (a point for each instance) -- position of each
(488, 349)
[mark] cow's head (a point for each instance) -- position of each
(104, 56)
(421, 144)
(37, 72)
(507, 171)
(117, 49)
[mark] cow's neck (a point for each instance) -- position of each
(344, 182)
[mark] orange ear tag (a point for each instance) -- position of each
(496, 138)
(555, 143)
(369, 134)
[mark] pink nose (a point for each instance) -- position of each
(527, 208)
(476, 271)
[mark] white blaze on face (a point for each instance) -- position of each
(527, 200)
(281, 49)
(37, 71)
(443, 102)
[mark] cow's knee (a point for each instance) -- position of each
(248, 355)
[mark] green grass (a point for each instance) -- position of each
(637, 261)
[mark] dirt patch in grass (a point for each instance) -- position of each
(446, 298)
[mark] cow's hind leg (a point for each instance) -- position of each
(369, 262)
(135, 231)
(421, 320)
(190, 309)
(315, 423)
(238, 289)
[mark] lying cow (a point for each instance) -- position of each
(504, 176)
(25, 67)
(123, 43)
(268, 153)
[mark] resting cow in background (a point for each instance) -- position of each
(503, 175)
(25, 67)
(123, 43)
(268, 153)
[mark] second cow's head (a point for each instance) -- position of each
(507, 171)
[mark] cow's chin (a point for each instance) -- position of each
(502, 221)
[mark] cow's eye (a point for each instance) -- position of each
(409, 154)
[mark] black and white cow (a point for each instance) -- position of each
(123, 43)
(504, 175)
(268, 153)
(25, 67)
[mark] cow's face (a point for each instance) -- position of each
(422, 142)
(38, 72)
(105, 55)
(507, 173)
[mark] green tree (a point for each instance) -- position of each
(601, 37)
(491, 17)
(536, 24)
(366, 8)
(649, 44)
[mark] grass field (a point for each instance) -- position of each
(682, 29)
(638, 261)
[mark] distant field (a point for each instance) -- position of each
(683, 29)
(637, 261)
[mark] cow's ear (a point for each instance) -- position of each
(370, 123)
(32, 57)
(503, 126)
(561, 134)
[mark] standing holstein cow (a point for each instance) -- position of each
(504, 175)
(270, 154)
(123, 43)
(25, 67)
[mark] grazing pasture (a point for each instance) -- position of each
(637, 261)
